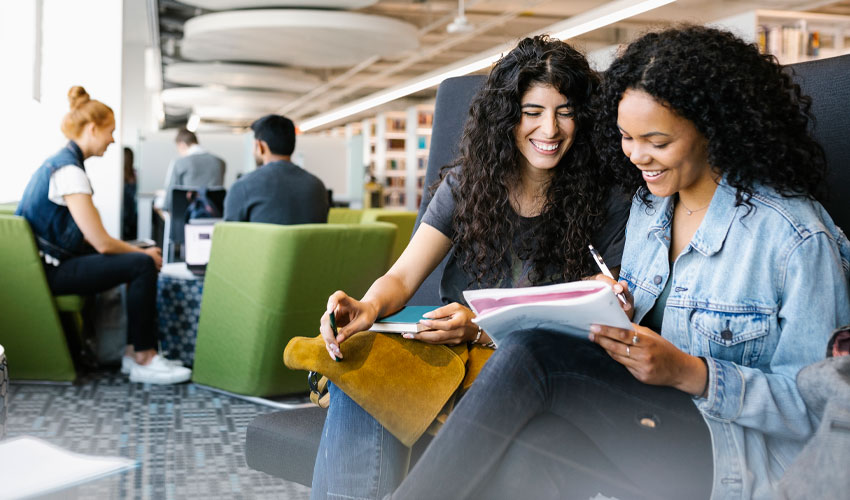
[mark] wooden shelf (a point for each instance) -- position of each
(401, 142)
(793, 36)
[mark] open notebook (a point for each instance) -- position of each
(566, 307)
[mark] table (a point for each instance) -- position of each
(178, 307)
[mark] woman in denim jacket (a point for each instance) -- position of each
(728, 257)
(80, 257)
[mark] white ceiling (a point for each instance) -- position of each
(239, 75)
(326, 58)
(304, 38)
(252, 4)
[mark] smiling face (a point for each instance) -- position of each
(668, 149)
(546, 130)
(99, 137)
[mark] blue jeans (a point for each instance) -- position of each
(601, 439)
(358, 458)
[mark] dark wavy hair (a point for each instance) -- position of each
(754, 117)
(484, 220)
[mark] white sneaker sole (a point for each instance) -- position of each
(161, 378)
(126, 368)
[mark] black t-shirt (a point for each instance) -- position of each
(608, 239)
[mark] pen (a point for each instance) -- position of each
(333, 327)
(603, 268)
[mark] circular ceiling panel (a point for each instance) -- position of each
(199, 97)
(229, 113)
(241, 75)
(309, 38)
(253, 4)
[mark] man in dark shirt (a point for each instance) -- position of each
(278, 192)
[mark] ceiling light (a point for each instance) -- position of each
(193, 122)
(609, 13)
(460, 23)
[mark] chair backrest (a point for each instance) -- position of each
(403, 221)
(30, 328)
(454, 97)
(180, 203)
(267, 283)
(343, 215)
(827, 81)
(8, 208)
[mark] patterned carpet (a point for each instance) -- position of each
(189, 441)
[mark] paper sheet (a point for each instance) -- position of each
(30, 466)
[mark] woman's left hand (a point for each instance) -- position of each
(651, 358)
(453, 325)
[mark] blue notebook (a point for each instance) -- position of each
(404, 321)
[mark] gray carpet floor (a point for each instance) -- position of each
(188, 441)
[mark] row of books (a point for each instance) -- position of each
(398, 124)
(790, 41)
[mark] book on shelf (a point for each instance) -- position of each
(568, 308)
(407, 320)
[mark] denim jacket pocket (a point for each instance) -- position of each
(736, 337)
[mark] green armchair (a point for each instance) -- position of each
(8, 208)
(267, 283)
(403, 221)
(30, 326)
(342, 215)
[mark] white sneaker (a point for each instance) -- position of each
(127, 363)
(159, 371)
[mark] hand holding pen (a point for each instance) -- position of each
(623, 291)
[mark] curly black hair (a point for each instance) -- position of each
(484, 221)
(754, 117)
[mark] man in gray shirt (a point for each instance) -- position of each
(279, 192)
(195, 168)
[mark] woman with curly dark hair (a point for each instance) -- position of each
(518, 208)
(735, 277)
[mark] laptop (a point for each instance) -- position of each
(198, 234)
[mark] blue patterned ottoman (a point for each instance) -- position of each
(178, 307)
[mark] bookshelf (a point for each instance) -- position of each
(398, 154)
(793, 36)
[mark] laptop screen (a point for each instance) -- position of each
(198, 234)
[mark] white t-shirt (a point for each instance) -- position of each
(66, 180)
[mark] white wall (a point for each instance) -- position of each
(155, 150)
(81, 45)
(326, 158)
(23, 150)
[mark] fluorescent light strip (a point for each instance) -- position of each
(609, 13)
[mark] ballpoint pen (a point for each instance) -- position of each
(332, 317)
(605, 271)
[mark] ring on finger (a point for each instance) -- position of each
(635, 339)
(628, 352)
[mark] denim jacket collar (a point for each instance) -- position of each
(78, 153)
(709, 238)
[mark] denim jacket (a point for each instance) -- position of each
(55, 231)
(757, 295)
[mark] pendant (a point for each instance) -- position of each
(689, 212)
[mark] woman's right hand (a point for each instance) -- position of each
(156, 254)
(351, 316)
(621, 287)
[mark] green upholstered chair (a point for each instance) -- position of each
(8, 208)
(30, 326)
(267, 283)
(341, 215)
(403, 221)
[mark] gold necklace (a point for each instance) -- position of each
(689, 211)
